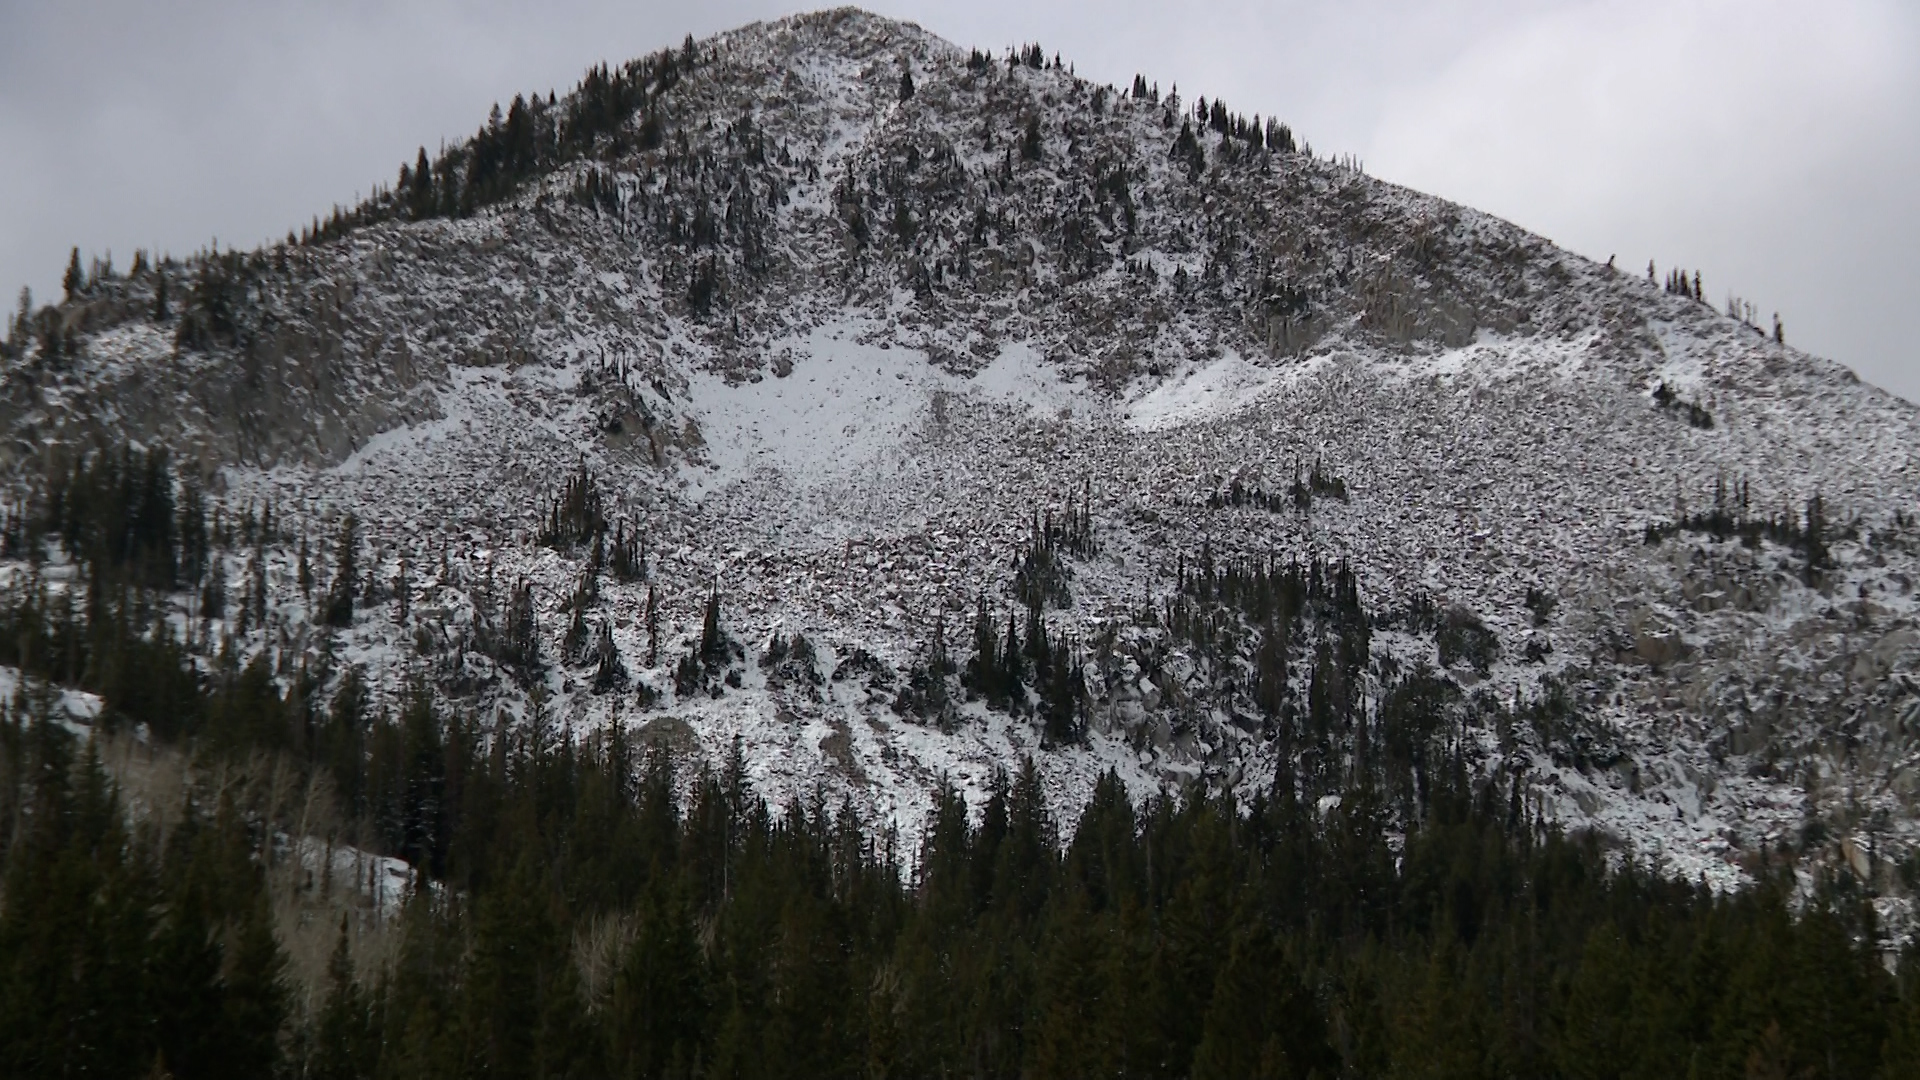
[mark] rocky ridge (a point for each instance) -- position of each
(838, 354)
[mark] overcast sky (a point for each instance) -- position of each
(1772, 145)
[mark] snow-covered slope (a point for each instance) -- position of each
(831, 350)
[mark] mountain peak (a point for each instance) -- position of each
(826, 331)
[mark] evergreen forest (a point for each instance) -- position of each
(605, 905)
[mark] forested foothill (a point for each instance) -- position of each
(1213, 614)
(602, 905)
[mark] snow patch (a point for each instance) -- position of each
(844, 404)
(1211, 392)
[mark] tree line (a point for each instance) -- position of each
(601, 905)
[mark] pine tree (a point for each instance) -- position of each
(22, 320)
(421, 198)
(658, 1014)
(213, 596)
(345, 1038)
(714, 646)
(1031, 147)
(339, 608)
(502, 993)
(520, 637)
(256, 998)
(653, 629)
(74, 281)
(1262, 1022)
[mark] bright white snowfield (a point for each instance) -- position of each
(921, 337)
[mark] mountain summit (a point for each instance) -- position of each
(896, 412)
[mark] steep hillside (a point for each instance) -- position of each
(766, 388)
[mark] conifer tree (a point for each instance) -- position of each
(1261, 1021)
(658, 1015)
(402, 593)
(653, 629)
(339, 607)
(74, 281)
(254, 980)
(345, 1038)
(1031, 147)
(421, 198)
(713, 641)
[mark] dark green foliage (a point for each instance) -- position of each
(573, 647)
(703, 290)
(1318, 482)
(1286, 618)
(1696, 414)
(791, 661)
(1679, 284)
(116, 512)
(713, 660)
(1424, 922)
(627, 556)
(74, 281)
(578, 514)
(927, 694)
(346, 575)
(517, 645)
(610, 668)
(1542, 604)
(715, 646)
(1187, 148)
(19, 328)
(1185, 937)
(1263, 1021)
(115, 951)
(661, 1005)
(1731, 516)
(213, 314)
(1464, 639)
(346, 1034)
(1024, 675)
(1040, 569)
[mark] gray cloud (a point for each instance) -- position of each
(1769, 144)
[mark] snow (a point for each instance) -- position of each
(74, 710)
(1491, 420)
(381, 881)
(1210, 392)
(845, 406)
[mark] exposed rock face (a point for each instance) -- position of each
(833, 352)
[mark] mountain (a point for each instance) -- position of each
(765, 389)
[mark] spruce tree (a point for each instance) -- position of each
(658, 1013)
(1261, 1022)
(74, 281)
(339, 606)
(345, 1039)
(1031, 147)
(714, 646)
(256, 998)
